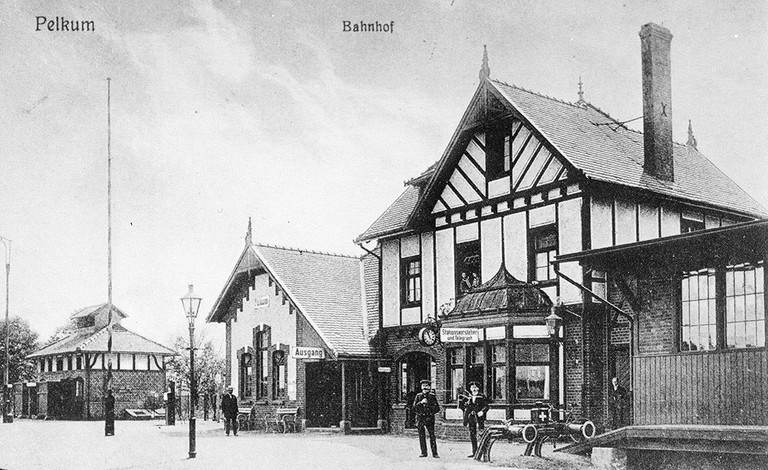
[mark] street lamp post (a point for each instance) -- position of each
(191, 304)
(6, 379)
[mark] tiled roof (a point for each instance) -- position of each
(614, 154)
(394, 218)
(326, 288)
(603, 150)
(123, 341)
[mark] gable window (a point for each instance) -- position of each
(411, 281)
(543, 252)
(246, 375)
(691, 222)
(744, 306)
(467, 266)
(497, 153)
(723, 308)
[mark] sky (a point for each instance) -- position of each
(225, 110)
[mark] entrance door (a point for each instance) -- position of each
(620, 368)
(323, 392)
(414, 367)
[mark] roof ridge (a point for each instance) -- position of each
(304, 250)
(542, 95)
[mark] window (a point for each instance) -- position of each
(543, 252)
(59, 363)
(497, 153)
(476, 365)
(262, 341)
(467, 266)
(79, 362)
(278, 374)
(498, 386)
(723, 308)
(744, 306)
(246, 375)
(691, 221)
(456, 365)
(698, 323)
(411, 282)
(69, 363)
(532, 365)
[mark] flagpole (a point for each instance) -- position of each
(109, 418)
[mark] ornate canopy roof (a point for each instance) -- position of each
(503, 293)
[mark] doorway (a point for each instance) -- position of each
(323, 392)
(414, 367)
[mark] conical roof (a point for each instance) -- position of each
(502, 293)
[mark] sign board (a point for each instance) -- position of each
(385, 369)
(307, 353)
(262, 302)
(459, 335)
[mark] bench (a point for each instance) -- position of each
(284, 418)
(245, 418)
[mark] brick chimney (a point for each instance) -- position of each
(655, 43)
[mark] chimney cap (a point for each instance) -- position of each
(652, 29)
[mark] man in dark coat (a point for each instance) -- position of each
(425, 406)
(475, 409)
(109, 414)
(229, 410)
(618, 404)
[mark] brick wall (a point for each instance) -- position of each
(656, 318)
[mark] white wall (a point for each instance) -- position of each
(444, 259)
(276, 315)
(490, 247)
(569, 241)
(516, 245)
(428, 306)
(390, 282)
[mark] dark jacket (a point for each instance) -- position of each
(425, 412)
(229, 405)
(473, 407)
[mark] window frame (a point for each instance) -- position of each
(461, 252)
(533, 251)
(245, 375)
(406, 277)
(721, 342)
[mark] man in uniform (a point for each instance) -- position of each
(229, 410)
(425, 406)
(475, 408)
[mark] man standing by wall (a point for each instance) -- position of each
(425, 406)
(618, 404)
(229, 410)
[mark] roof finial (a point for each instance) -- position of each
(691, 139)
(485, 71)
(249, 234)
(581, 101)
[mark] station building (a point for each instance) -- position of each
(478, 271)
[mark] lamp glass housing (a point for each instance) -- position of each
(191, 304)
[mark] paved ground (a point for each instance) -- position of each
(27, 444)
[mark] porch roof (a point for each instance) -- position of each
(693, 250)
